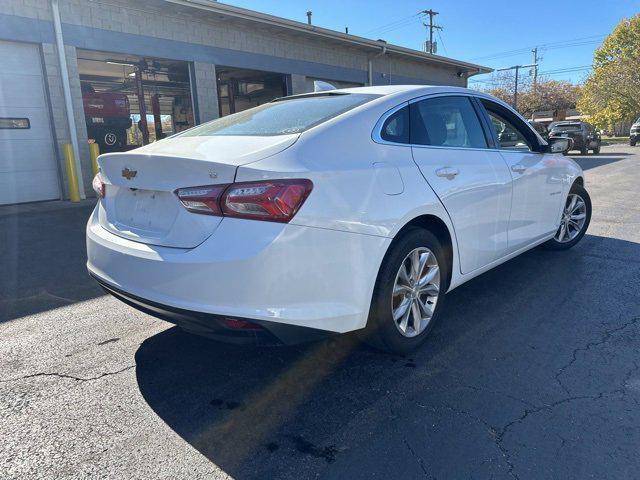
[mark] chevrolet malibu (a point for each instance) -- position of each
(330, 212)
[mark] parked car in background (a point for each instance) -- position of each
(585, 137)
(352, 209)
(634, 133)
(108, 116)
(541, 128)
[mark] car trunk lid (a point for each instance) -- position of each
(140, 203)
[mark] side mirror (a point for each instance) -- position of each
(558, 145)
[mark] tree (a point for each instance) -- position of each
(611, 94)
(548, 94)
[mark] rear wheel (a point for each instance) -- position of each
(576, 216)
(584, 150)
(409, 293)
(596, 150)
(632, 142)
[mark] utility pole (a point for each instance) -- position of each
(535, 69)
(431, 26)
(515, 89)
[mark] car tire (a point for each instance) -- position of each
(596, 150)
(570, 239)
(632, 143)
(584, 150)
(385, 333)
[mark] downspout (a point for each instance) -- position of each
(383, 52)
(66, 89)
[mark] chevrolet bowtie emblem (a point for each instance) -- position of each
(129, 174)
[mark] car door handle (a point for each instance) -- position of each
(518, 168)
(447, 172)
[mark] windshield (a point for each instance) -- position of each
(282, 117)
(567, 127)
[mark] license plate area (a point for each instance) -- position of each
(144, 213)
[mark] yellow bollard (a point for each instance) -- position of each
(94, 150)
(72, 176)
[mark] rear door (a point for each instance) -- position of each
(537, 178)
(452, 151)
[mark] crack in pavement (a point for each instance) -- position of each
(64, 375)
(606, 336)
(417, 457)
(498, 434)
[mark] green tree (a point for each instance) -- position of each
(611, 94)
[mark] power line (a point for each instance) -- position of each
(574, 42)
(393, 24)
(442, 42)
(559, 71)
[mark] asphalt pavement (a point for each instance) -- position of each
(532, 372)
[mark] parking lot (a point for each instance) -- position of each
(532, 372)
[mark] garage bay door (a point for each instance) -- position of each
(27, 161)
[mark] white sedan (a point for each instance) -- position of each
(354, 209)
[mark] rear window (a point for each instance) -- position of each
(282, 117)
(567, 127)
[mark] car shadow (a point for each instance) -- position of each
(340, 409)
(590, 161)
(41, 265)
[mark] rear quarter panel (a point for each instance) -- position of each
(360, 186)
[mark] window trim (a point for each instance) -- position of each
(376, 134)
(483, 115)
(529, 133)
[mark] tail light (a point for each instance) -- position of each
(271, 200)
(98, 186)
(205, 199)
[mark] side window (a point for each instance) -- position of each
(446, 122)
(510, 137)
(396, 127)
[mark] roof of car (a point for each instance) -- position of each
(387, 90)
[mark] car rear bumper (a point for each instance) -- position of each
(278, 273)
(215, 326)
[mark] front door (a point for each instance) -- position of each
(450, 147)
(537, 178)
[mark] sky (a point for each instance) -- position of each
(497, 34)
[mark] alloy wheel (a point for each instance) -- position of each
(415, 292)
(574, 216)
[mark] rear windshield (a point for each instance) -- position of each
(567, 127)
(282, 117)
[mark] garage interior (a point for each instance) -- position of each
(240, 89)
(131, 101)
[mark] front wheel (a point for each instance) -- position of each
(596, 150)
(409, 292)
(576, 216)
(632, 142)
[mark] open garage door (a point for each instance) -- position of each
(28, 170)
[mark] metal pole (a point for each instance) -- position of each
(430, 31)
(66, 89)
(517, 69)
(143, 126)
(535, 69)
(515, 90)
